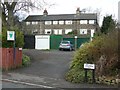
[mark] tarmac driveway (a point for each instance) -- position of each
(52, 63)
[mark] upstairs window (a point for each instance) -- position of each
(83, 21)
(55, 22)
(91, 21)
(68, 22)
(27, 23)
(34, 23)
(48, 22)
(61, 22)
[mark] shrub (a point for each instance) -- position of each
(76, 72)
(25, 60)
(77, 76)
(104, 45)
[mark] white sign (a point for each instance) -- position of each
(20, 49)
(89, 66)
(75, 36)
(11, 35)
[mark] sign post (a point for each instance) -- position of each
(75, 42)
(11, 37)
(89, 67)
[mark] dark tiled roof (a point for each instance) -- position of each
(61, 17)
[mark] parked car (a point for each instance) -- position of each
(66, 45)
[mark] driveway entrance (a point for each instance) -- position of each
(47, 63)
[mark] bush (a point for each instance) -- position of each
(102, 46)
(25, 60)
(76, 72)
(77, 76)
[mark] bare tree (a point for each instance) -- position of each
(10, 7)
(90, 10)
(98, 12)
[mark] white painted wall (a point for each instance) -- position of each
(42, 42)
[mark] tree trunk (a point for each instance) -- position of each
(10, 18)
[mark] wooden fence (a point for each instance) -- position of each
(9, 59)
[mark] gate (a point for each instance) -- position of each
(55, 41)
(29, 42)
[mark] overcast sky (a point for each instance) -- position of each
(107, 7)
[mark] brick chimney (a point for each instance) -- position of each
(78, 11)
(45, 13)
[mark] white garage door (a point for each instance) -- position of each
(42, 42)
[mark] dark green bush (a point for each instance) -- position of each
(25, 60)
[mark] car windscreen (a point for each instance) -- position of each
(65, 42)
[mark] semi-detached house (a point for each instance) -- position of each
(61, 24)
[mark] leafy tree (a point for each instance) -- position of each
(107, 25)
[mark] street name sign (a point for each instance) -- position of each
(89, 66)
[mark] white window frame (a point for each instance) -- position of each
(91, 21)
(48, 22)
(36, 22)
(57, 31)
(48, 30)
(27, 23)
(60, 31)
(61, 22)
(67, 31)
(83, 31)
(33, 22)
(55, 22)
(83, 21)
(68, 22)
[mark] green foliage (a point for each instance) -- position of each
(78, 76)
(25, 60)
(74, 32)
(19, 38)
(91, 52)
(108, 24)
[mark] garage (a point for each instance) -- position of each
(42, 42)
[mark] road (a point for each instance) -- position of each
(17, 85)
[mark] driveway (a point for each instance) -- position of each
(47, 68)
(52, 64)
